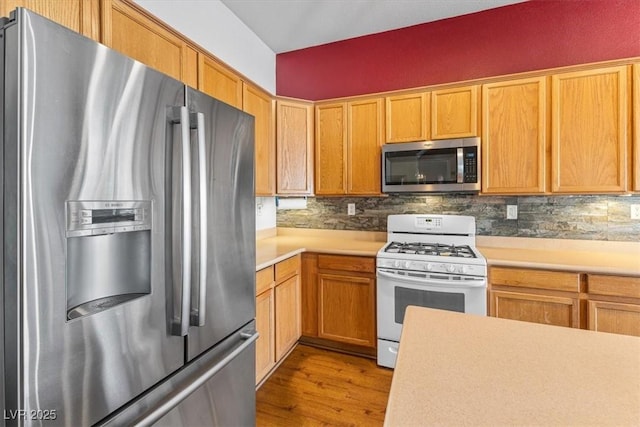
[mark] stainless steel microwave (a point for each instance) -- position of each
(444, 166)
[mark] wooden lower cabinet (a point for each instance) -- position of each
(346, 309)
(338, 302)
(287, 312)
(614, 317)
(538, 296)
(265, 353)
(546, 309)
(614, 304)
(277, 313)
(605, 303)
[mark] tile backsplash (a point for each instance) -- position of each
(559, 217)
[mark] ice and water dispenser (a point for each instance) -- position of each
(108, 254)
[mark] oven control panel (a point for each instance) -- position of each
(429, 222)
(434, 267)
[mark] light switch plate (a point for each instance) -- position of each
(512, 211)
(635, 212)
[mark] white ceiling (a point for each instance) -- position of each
(286, 25)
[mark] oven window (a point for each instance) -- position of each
(434, 166)
(423, 298)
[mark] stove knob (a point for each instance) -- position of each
(428, 267)
(396, 264)
(462, 269)
(451, 268)
(407, 264)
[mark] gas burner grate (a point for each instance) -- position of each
(435, 249)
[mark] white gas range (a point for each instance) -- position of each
(428, 261)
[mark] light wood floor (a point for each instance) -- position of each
(321, 387)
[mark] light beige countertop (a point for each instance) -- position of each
(288, 242)
(585, 256)
(460, 369)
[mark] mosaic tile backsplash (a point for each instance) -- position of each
(558, 217)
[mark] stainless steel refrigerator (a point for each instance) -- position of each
(128, 258)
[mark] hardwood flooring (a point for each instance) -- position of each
(321, 387)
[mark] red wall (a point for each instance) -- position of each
(526, 36)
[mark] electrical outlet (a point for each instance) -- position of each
(635, 212)
(351, 209)
(512, 211)
(259, 209)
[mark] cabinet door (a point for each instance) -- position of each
(454, 112)
(309, 295)
(346, 309)
(287, 318)
(614, 317)
(514, 137)
(261, 106)
(294, 142)
(636, 127)
(218, 81)
(407, 117)
(331, 149)
(545, 309)
(365, 133)
(136, 34)
(81, 16)
(265, 345)
(589, 131)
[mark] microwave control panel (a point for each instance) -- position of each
(92, 218)
(470, 156)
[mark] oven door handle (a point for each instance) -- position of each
(479, 282)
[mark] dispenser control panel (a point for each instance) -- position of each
(93, 218)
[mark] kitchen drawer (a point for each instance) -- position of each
(287, 268)
(619, 286)
(264, 279)
(347, 263)
(535, 279)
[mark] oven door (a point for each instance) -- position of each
(397, 289)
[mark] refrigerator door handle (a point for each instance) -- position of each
(181, 326)
(182, 393)
(198, 313)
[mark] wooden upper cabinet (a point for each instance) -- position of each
(407, 117)
(364, 141)
(131, 31)
(294, 147)
(81, 16)
(514, 137)
(348, 140)
(636, 127)
(218, 81)
(454, 112)
(261, 105)
(331, 149)
(589, 131)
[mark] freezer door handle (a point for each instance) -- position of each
(181, 394)
(198, 313)
(181, 322)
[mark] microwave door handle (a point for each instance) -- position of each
(426, 280)
(181, 307)
(460, 161)
(198, 313)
